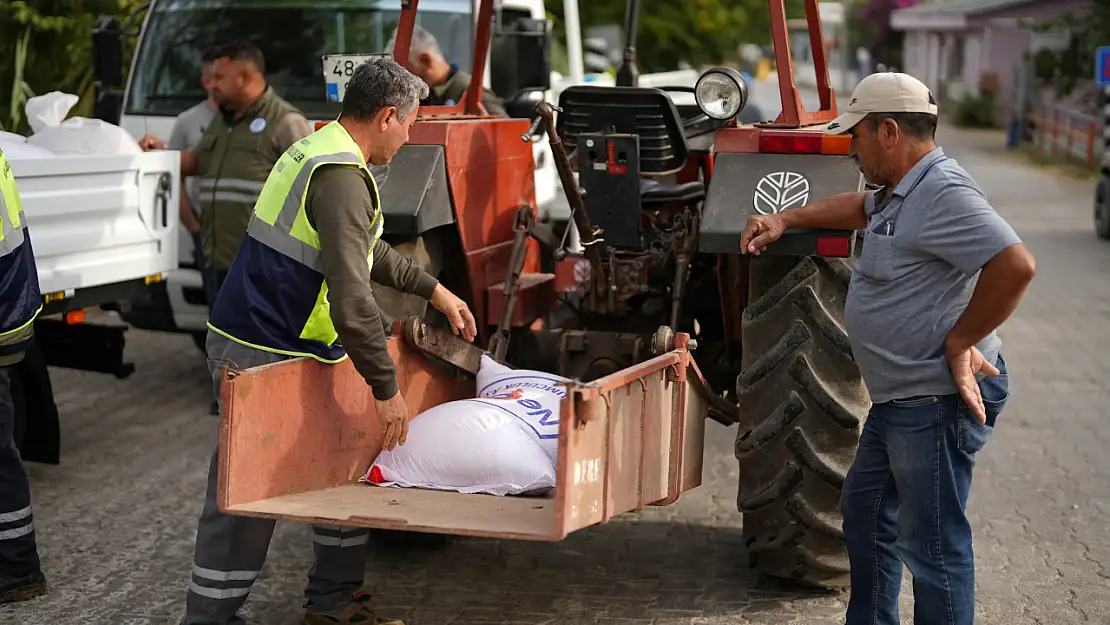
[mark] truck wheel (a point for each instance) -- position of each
(1102, 207)
(802, 402)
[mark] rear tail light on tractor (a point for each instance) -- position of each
(803, 142)
(836, 247)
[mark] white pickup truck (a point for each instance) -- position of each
(104, 229)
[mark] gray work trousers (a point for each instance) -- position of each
(231, 550)
(19, 556)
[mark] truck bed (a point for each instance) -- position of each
(97, 221)
(296, 436)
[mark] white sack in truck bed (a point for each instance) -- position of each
(16, 146)
(77, 135)
(503, 442)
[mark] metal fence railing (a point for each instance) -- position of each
(1066, 134)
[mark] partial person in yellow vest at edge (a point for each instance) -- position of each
(300, 286)
(20, 302)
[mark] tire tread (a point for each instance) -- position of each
(802, 404)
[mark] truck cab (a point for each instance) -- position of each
(165, 72)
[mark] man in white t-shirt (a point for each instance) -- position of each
(186, 134)
(187, 131)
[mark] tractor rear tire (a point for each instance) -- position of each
(802, 403)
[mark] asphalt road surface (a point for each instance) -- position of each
(116, 520)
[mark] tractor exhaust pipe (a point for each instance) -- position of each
(628, 75)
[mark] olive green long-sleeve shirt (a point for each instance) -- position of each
(339, 205)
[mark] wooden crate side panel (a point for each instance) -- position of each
(657, 437)
(300, 425)
(697, 412)
(580, 484)
(638, 449)
(616, 443)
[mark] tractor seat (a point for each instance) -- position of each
(655, 192)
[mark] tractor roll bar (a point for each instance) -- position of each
(793, 114)
(405, 25)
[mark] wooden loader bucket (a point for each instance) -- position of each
(296, 436)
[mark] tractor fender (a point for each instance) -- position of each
(746, 184)
(414, 195)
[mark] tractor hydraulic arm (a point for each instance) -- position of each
(525, 221)
(586, 231)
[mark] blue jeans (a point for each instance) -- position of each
(904, 501)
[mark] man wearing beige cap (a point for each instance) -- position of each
(940, 270)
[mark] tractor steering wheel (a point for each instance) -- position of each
(689, 121)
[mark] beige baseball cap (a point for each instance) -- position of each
(885, 92)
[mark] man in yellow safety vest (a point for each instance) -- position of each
(300, 286)
(20, 302)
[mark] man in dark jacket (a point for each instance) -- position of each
(21, 575)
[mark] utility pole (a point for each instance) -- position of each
(574, 41)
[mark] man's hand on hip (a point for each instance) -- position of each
(458, 313)
(965, 365)
(393, 417)
(761, 231)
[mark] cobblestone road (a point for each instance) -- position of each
(116, 521)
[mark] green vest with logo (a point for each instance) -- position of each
(233, 160)
(275, 297)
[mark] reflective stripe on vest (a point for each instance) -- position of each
(20, 300)
(11, 210)
(11, 226)
(280, 223)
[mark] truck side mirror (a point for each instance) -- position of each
(520, 58)
(108, 106)
(107, 51)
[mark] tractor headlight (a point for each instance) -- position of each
(721, 92)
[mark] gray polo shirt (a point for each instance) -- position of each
(925, 243)
(187, 131)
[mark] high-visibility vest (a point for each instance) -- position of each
(20, 299)
(275, 297)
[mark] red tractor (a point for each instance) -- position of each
(660, 191)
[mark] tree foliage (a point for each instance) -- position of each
(57, 38)
(1065, 70)
(670, 32)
